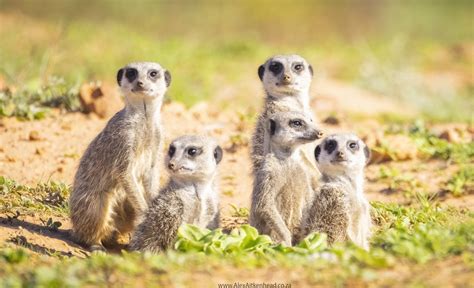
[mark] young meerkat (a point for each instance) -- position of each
(340, 208)
(191, 196)
(119, 172)
(286, 80)
(282, 187)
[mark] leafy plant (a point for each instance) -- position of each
(239, 211)
(462, 182)
(32, 102)
(434, 147)
(50, 196)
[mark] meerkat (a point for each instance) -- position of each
(286, 80)
(282, 187)
(119, 171)
(339, 207)
(191, 195)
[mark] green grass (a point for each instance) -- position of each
(462, 182)
(50, 197)
(409, 236)
(33, 100)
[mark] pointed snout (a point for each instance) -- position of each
(140, 84)
(171, 165)
(286, 78)
(340, 154)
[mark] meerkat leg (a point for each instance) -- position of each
(92, 222)
(214, 223)
(151, 183)
(273, 220)
(136, 196)
(159, 229)
(124, 217)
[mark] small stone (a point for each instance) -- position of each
(332, 120)
(450, 135)
(100, 99)
(34, 136)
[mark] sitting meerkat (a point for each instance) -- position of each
(340, 208)
(191, 196)
(282, 187)
(119, 172)
(286, 80)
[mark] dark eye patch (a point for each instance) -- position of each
(131, 74)
(275, 67)
(171, 151)
(330, 146)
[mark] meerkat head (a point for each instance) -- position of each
(143, 80)
(193, 158)
(340, 153)
(284, 75)
(288, 130)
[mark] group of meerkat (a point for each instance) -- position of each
(299, 187)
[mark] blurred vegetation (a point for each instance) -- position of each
(419, 52)
(417, 237)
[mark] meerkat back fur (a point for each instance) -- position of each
(286, 80)
(282, 187)
(119, 172)
(191, 196)
(340, 208)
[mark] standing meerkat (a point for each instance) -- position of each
(282, 187)
(340, 208)
(286, 80)
(119, 171)
(191, 196)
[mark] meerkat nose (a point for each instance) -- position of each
(171, 166)
(140, 83)
(320, 134)
(340, 154)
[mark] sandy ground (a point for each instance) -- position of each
(50, 149)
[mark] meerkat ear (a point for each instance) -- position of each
(310, 69)
(367, 154)
(317, 151)
(119, 76)
(167, 78)
(261, 71)
(218, 154)
(273, 127)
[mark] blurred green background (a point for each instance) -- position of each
(418, 52)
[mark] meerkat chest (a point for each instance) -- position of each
(199, 210)
(208, 207)
(295, 193)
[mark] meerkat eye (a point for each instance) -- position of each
(276, 67)
(153, 73)
(297, 123)
(298, 67)
(192, 151)
(353, 145)
(171, 151)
